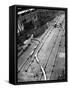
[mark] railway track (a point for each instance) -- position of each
(35, 52)
(38, 60)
